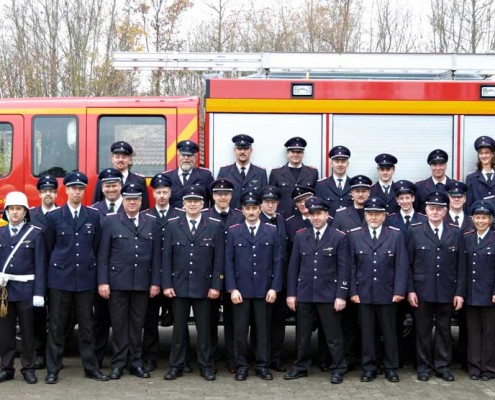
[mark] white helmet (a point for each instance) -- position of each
(16, 199)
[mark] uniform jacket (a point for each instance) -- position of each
(129, 258)
(397, 221)
(319, 273)
(327, 190)
(234, 216)
(284, 242)
(30, 258)
(131, 178)
(437, 268)
(283, 179)
(103, 210)
(480, 264)
(346, 219)
(467, 223)
(478, 188)
(390, 200)
(295, 223)
(255, 180)
(198, 176)
(425, 187)
(163, 222)
(253, 265)
(72, 249)
(193, 264)
(37, 217)
(378, 270)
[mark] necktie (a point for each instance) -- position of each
(317, 238)
(184, 178)
(14, 231)
(163, 213)
(479, 239)
(133, 220)
(76, 217)
(408, 221)
(243, 173)
(193, 228)
(440, 186)
(252, 230)
(112, 207)
(456, 220)
(386, 189)
(224, 215)
(339, 185)
(374, 236)
(437, 233)
(273, 220)
(489, 178)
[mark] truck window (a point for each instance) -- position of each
(54, 144)
(146, 135)
(5, 149)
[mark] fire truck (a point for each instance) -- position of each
(404, 104)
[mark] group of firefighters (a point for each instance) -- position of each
(347, 256)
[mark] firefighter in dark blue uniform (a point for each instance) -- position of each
(291, 174)
(222, 192)
(111, 186)
(384, 187)
(480, 294)
(47, 186)
(253, 274)
(246, 176)
(301, 218)
(22, 286)
(122, 153)
(270, 198)
(72, 238)
(481, 183)
(192, 276)
(379, 273)
(437, 160)
(403, 219)
(163, 212)
(335, 189)
(437, 286)
(457, 214)
(187, 174)
(317, 283)
(129, 262)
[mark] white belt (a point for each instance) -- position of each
(19, 278)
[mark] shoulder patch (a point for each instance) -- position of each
(114, 213)
(205, 209)
(213, 219)
(339, 231)
(233, 226)
(417, 224)
(454, 225)
(173, 219)
(469, 232)
(394, 228)
(92, 208)
(149, 215)
(269, 224)
(301, 230)
(341, 209)
(356, 229)
(489, 197)
(288, 219)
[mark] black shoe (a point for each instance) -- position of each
(264, 374)
(277, 366)
(241, 374)
(324, 367)
(30, 377)
(116, 373)
(423, 376)
(96, 375)
(208, 374)
(230, 366)
(487, 377)
(368, 376)
(475, 377)
(446, 375)
(51, 378)
(295, 373)
(392, 376)
(187, 367)
(173, 373)
(39, 362)
(140, 372)
(6, 376)
(149, 365)
(336, 377)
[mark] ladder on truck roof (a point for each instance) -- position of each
(395, 65)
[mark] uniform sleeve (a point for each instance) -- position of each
(97, 239)
(343, 268)
(167, 258)
(410, 247)
(230, 281)
(273, 179)
(293, 270)
(277, 263)
(461, 268)
(103, 258)
(97, 194)
(264, 178)
(218, 259)
(40, 265)
(353, 286)
(145, 204)
(50, 235)
(401, 276)
(156, 257)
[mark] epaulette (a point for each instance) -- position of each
(173, 219)
(489, 197)
(145, 211)
(277, 213)
(214, 219)
(168, 170)
(288, 219)
(233, 226)
(321, 179)
(356, 229)
(301, 230)
(179, 209)
(114, 213)
(150, 215)
(310, 166)
(339, 231)
(94, 204)
(92, 208)
(469, 232)
(270, 224)
(142, 176)
(417, 224)
(32, 208)
(341, 209)
(394, 228)
(236, 209)
(391, 215)
(205, 209)
(37, 227)
(424, 215)
(206, 169)
(454, 225)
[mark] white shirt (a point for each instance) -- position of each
(403, 215)
(46, 210)
(220, 211)
(322, 231)
(180, 172)
(125, 174)
(294, 166)
(383, 184)
(377, 230)
(461, 217)
(246, 168)
(444, 181)
(73, 210)
(488, 172)
(197, 222)
(117, 203)
(158, 210)
(256, 226)
(344, 180)
(440, 228)
(136, 222)
(483, 235)
(18, 227)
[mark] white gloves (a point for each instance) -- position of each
(38, 301)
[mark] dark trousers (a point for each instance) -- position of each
(18, 312)
(228, 328)
(127, 313)
(480, 339)
(181, 307)
(277, 329)
(433, 352)
(385, 315)
(60, 302)
(102, 327)
(330, 324)
(151, 337)
(261, 311)
(40, 329)
(350, 328)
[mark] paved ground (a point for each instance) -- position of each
(72, 385)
